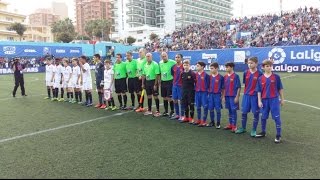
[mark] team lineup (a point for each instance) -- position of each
(183, 90)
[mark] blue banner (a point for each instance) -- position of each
(286, 59)
(29, 70)
(38, 51)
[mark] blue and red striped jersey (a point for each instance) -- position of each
(216, 84)
(269, 87)
(231, 84)
(202, 82)
(250, 80)
(176, 71)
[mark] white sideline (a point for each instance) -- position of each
(60, 127)
(3, 99)
(298, 103)
(307, 105)
(288, 76)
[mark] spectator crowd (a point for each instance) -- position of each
(300, 27)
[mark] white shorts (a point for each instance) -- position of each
(57, 85)
(70, 84)
(77, 86)
(106, 86)
(87, 86)
(67, 85)
(49, 83)
(74, 84)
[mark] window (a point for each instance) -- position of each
(10, 38)
(9, 19)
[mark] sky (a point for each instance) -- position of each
(240, 7)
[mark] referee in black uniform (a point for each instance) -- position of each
(18, 68)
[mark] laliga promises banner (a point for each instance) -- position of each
(38, 51)
(30, 70)
(286, 59)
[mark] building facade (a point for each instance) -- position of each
(196, 11)
(87, 10)
(36, 33)
(6, 19)
(60, 9)
(43, 17)
(168, 15)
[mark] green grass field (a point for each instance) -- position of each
(44, 139)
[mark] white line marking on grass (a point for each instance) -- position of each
(25, 80)
(298, 103)
(288, 76)
(4, 99)
(60, 127)
(307, 105)
(36, 79)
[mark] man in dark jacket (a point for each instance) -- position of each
(18, 68)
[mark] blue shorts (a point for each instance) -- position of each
(273, 105)
(98, 84)
(176, 92)
(230, 105)
(201, 99)
(250, 103)
(214, 102)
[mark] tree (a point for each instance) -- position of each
(65, 37)
(114, 41)
(63, 30)
(83, 37)
(153, 36)
(98, 28)
(131, 40)
(19, 28)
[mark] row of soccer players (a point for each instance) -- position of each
(180, 84)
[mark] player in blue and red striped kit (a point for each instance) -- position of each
(202, 86)
(250, 98)
(177, 70)
(269, 89)
(232, 94)
(216, 92)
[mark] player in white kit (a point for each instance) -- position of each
(49, 78)
(67, 80)
(76, 78)
(86, 80)
(108, 85)
(57, 79)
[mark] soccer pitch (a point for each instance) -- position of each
(44, 139)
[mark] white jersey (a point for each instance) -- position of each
(66, 73)
(75, 73)
(108, 74)
(58, 72)
(49, 72)
(86, 75)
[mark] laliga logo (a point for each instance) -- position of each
(9, 50)
(278, 55)
(46, 50)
